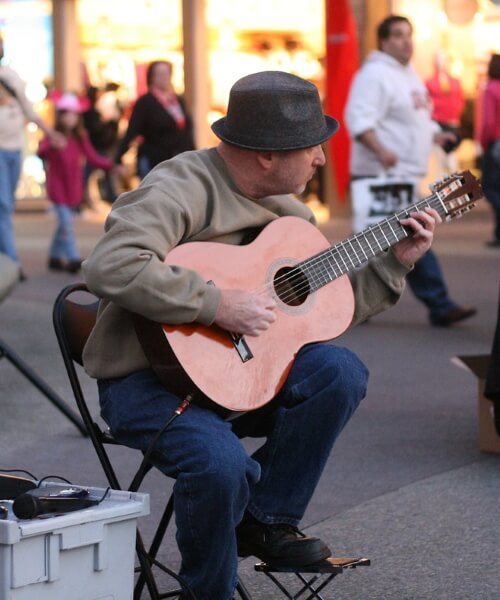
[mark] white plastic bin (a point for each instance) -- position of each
(87, 554)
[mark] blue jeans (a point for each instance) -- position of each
(426, 281)
(63, 243)
(491, 188)
(10, 170)
(216, 481)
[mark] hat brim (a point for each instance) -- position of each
(219, 128)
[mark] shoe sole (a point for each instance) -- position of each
(319, 556)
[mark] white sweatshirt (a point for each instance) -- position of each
(14, 112)
(390, 99)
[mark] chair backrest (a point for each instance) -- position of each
(74, 315)
(74, 321)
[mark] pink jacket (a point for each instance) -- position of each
(490, 116)
(447, 105)
(64, 168)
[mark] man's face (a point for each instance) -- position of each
(295, 168)
(399, 44)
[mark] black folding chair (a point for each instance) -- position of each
(74, 316)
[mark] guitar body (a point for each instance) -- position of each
(209, 356)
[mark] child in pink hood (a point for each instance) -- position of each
(64, 179)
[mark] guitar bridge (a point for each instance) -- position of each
(239, 342)
(241, 346)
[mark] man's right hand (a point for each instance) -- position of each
(387, 158)
(245, 313)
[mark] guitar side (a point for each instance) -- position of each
(208, 355)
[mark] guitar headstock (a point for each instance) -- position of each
(458, 193)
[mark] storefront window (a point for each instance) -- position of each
(119, 38)
(255, 35)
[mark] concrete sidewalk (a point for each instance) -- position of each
(406, 485)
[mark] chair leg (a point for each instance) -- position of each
(242, 591)
(157, 540)
(37, 381)
(146, 572)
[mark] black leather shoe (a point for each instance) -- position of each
(279, 545)
(74, 266)
(454, 315)
(56, 264)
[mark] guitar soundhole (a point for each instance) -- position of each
(291, 286)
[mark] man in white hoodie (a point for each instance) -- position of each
(388, 115)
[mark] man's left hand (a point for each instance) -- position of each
(423, 223)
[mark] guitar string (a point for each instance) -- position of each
(375, 230)
(428, 201)
(324, 259)
(326, 256)
(308, 269)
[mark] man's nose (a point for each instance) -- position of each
(319, 157)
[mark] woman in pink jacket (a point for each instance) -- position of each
(64, 180)
(489, 137)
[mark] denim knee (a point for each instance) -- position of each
(328, 371)
(230, 473)
(351, 371)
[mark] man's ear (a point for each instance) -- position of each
(265, 159)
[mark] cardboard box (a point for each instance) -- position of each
(87, 554)
(489, 440)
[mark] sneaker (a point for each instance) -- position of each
(454, 315)
(279, 544)
(56, 264)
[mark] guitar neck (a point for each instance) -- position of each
(353, 252)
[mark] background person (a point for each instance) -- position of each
(64, 179)
(15, 111)
(102, 128)
(489, 137)
(448, 103)
(160, 119)
(389, 120)
(270, 147)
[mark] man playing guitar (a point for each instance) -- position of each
(229, 504)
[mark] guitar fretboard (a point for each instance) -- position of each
(361, 247)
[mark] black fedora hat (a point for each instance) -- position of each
(274, 110)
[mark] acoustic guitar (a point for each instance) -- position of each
(293, 262)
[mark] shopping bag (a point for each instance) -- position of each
(376, 198)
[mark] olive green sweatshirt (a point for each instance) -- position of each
(186, 199)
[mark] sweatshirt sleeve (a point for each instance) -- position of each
(366, 103)
(44, 148)
(378, 286)
(127, 266)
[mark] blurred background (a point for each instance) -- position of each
(74, 44)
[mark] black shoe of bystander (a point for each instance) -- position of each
(454, 315)
(56, 264)
(74, 266)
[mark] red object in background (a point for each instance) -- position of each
(140, 75)
(342, 61)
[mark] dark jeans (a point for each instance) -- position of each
(491, 188)
(216, 481)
